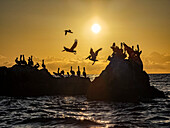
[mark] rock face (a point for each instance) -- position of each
(123, 80)
(23, 80)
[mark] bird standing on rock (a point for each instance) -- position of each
(68, 31)
(72, 72)
(78, 72)
(93, 55)
(84, 72)
(72, 48)
(43, 65)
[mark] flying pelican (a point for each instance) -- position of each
(93, 55)
(72, 48)
(66, 31)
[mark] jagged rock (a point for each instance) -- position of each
(23, 80)
(122, 80)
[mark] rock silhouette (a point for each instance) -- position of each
(123, 79)
(23, 80)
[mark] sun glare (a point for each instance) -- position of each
(96, 28)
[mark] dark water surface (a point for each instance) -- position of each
(78, 112)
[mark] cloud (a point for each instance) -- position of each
(153, 63)
(2, 57)
(156, 62)
(8, 64)
(2, 60)
(53, 63)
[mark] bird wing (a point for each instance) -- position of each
(74, 45)
(92, 53)
(66, 49)
(70, 31)
(96, 53)
(65, 32)
(88, 57)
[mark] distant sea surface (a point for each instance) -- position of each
(78, 112)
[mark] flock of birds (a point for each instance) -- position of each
(61, 74)
(92, 55)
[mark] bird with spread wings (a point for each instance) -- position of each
(67, 31)
(93, 55)
(72, 48)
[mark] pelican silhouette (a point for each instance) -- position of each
(37, 66)
(43, 65)
(62, 72)
(17, 61)
(93, 55)
(72, 72)
(68, 75)
(58, 72)
(113, 45)
(78, 72)
(68, 31)
(72, 48)
(84, 72)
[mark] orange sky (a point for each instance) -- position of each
(36, 27)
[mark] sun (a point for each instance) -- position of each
(96, 28)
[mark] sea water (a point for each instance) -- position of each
(78, 112)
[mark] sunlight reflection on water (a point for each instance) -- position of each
(77, 111)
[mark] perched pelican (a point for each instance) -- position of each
(72, 48)
(17, 62)
(66, 31)
(78, 72)
(72, 72)
(20, 58)
(109, 58)
(23, 61)
(32, 63)
(62, 72)
(68, 75)
(84, 72)
(36, 66)
(59, 73)
(29, 61)
(113, 46)
(132, 47)
(93, 55)
(43, 65)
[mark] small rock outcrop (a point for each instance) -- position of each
(24, 80)
(123, 79)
